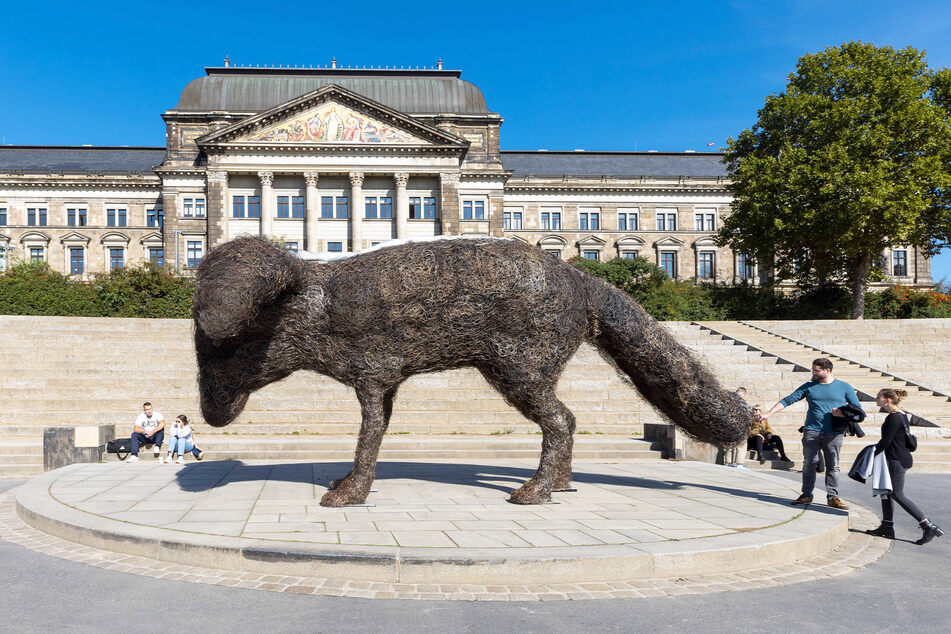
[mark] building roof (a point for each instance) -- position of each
(239, 89)
(657, 164)
(41, 158)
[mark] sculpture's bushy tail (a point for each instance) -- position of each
(239, 279)
(667, 374)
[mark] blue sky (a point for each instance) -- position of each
(565, 75)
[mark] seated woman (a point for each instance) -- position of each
(182, 441)
(762, 437)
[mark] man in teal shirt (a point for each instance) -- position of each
(824, 394)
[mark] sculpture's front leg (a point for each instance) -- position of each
(376, 406)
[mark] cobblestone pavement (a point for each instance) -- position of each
(856, 551)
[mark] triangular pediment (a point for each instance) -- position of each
(669, 241)
(331, 116)
(591, 242)
(74, 238)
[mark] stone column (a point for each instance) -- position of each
(311, 207)
(449, 203)
(356, 211)
(267, 203)
(217, 208)
(402, 203)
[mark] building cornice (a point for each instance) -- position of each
(61, 180)
(646, 185)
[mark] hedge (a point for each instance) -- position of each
(145, 291)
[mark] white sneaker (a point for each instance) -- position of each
(132, 459)
(167, 459)
(156, 450)
(201, 454)
(181, 460)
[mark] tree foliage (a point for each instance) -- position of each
(850, 160)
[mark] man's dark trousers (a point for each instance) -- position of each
(141, 439)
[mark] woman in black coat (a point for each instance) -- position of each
(899, 460)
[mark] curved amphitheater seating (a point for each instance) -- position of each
(60, 370)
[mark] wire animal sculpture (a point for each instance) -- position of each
(370, 321)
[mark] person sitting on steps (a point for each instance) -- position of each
(182, 441)
(149, 428)
(762, 437)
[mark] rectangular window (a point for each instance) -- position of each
(589, 255)
(36, 254)
(415, 207)
(254, 206)
(291, 246)
(473, 210)
(157, 257)
(627, 221)
(666, 221)
(512, 220)
(335, 247)
(154, 218)
(551, 220)
(628, 255)
(36, 217)
(705, 221)
(188, 207)
(116, 217)
(705, 265)
(326, 206)
(3, 216)
(386, 207)
(668, 262)
(199, 207)
(116, 258)
(297, 206)
(193, 253)
(71, 217)
(343, 207)
(370, 205)
(429, 207)
(900, 263)
(744, 266)
(81, 216)
(589, 221)
(77, 261)
(283, 206)
(237, 206)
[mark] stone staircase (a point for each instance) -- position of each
(787, 359)
(60, 370)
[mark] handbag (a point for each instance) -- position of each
(122, 447)
(911, 441)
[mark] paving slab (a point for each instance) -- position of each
(444, 524)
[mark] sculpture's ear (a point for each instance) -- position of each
(240, 278)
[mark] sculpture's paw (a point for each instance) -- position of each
(343, 494)
(336, 483)
(562, 483)
(530, 493)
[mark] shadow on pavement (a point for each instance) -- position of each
(209, 475)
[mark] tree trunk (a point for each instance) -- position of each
(859, 283)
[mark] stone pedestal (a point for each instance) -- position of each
(678, 446)
(78, 443)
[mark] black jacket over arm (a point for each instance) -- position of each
(893, 440)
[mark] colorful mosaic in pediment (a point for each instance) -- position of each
(333, 123)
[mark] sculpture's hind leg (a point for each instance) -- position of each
(541, 406)
(377, 406)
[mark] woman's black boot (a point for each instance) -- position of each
(885, 529)
(930, 531)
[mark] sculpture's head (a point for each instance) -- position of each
(239, 289)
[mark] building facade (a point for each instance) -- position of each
(338, 160)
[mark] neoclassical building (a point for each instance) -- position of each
(340, 159)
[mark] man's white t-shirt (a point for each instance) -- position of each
(148, 424)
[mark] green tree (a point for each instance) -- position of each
(852, 159)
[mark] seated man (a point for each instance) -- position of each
(149, 428)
